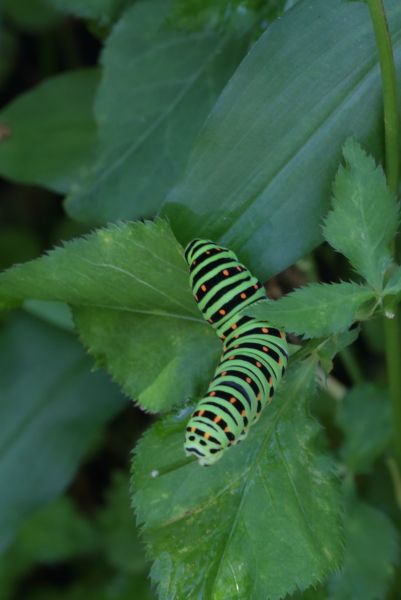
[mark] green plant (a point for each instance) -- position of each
(211, 120)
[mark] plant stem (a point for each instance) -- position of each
(390, 101)
(351, 366)
(392, 161)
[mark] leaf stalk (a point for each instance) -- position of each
(392, 162)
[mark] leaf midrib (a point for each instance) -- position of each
(158, 122)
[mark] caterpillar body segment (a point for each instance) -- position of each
(253, 359)
(221, 285)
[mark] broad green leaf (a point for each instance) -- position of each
(364, 417)
(371, 554)
(129, 289)
(55, 313)
(52, 410)
(261, 523)
(157, 89)
(52, 131)
(365, 215)
(103, 11)
(259, 175)
(316, 310)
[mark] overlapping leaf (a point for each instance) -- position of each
(260, 523)
(52, 409)
(317, 309)
(50, 131)
(129, 289)
(260, 173)
(158, 86)
(365, 215)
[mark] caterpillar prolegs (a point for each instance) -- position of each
(254, 354)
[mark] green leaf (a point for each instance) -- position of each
(260, 172)
(317, 309)
(103, 11)
(365, 215)
(47, 428)
(55, 313)
(55, 533)
(129, 289)
(371, 554)
(157, 89)
(223, 532)
(364, 417)
(52, 131)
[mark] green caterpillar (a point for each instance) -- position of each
(254, 355)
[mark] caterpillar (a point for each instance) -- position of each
(254, 354)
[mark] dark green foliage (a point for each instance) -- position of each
(217, 121)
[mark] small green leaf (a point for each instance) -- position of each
(365, 215)
(51, 131)
(317, 309)
(223, 532)
(371, 554)
(364, 417)
(55, 533)
(47, 428)
(259, 175)
(129, 289)
(157, 88)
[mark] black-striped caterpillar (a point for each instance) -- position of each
(254, 355)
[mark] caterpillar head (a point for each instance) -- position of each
(206, 449)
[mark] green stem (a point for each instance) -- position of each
(390, 101)
(392, 161)
(351, 366)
